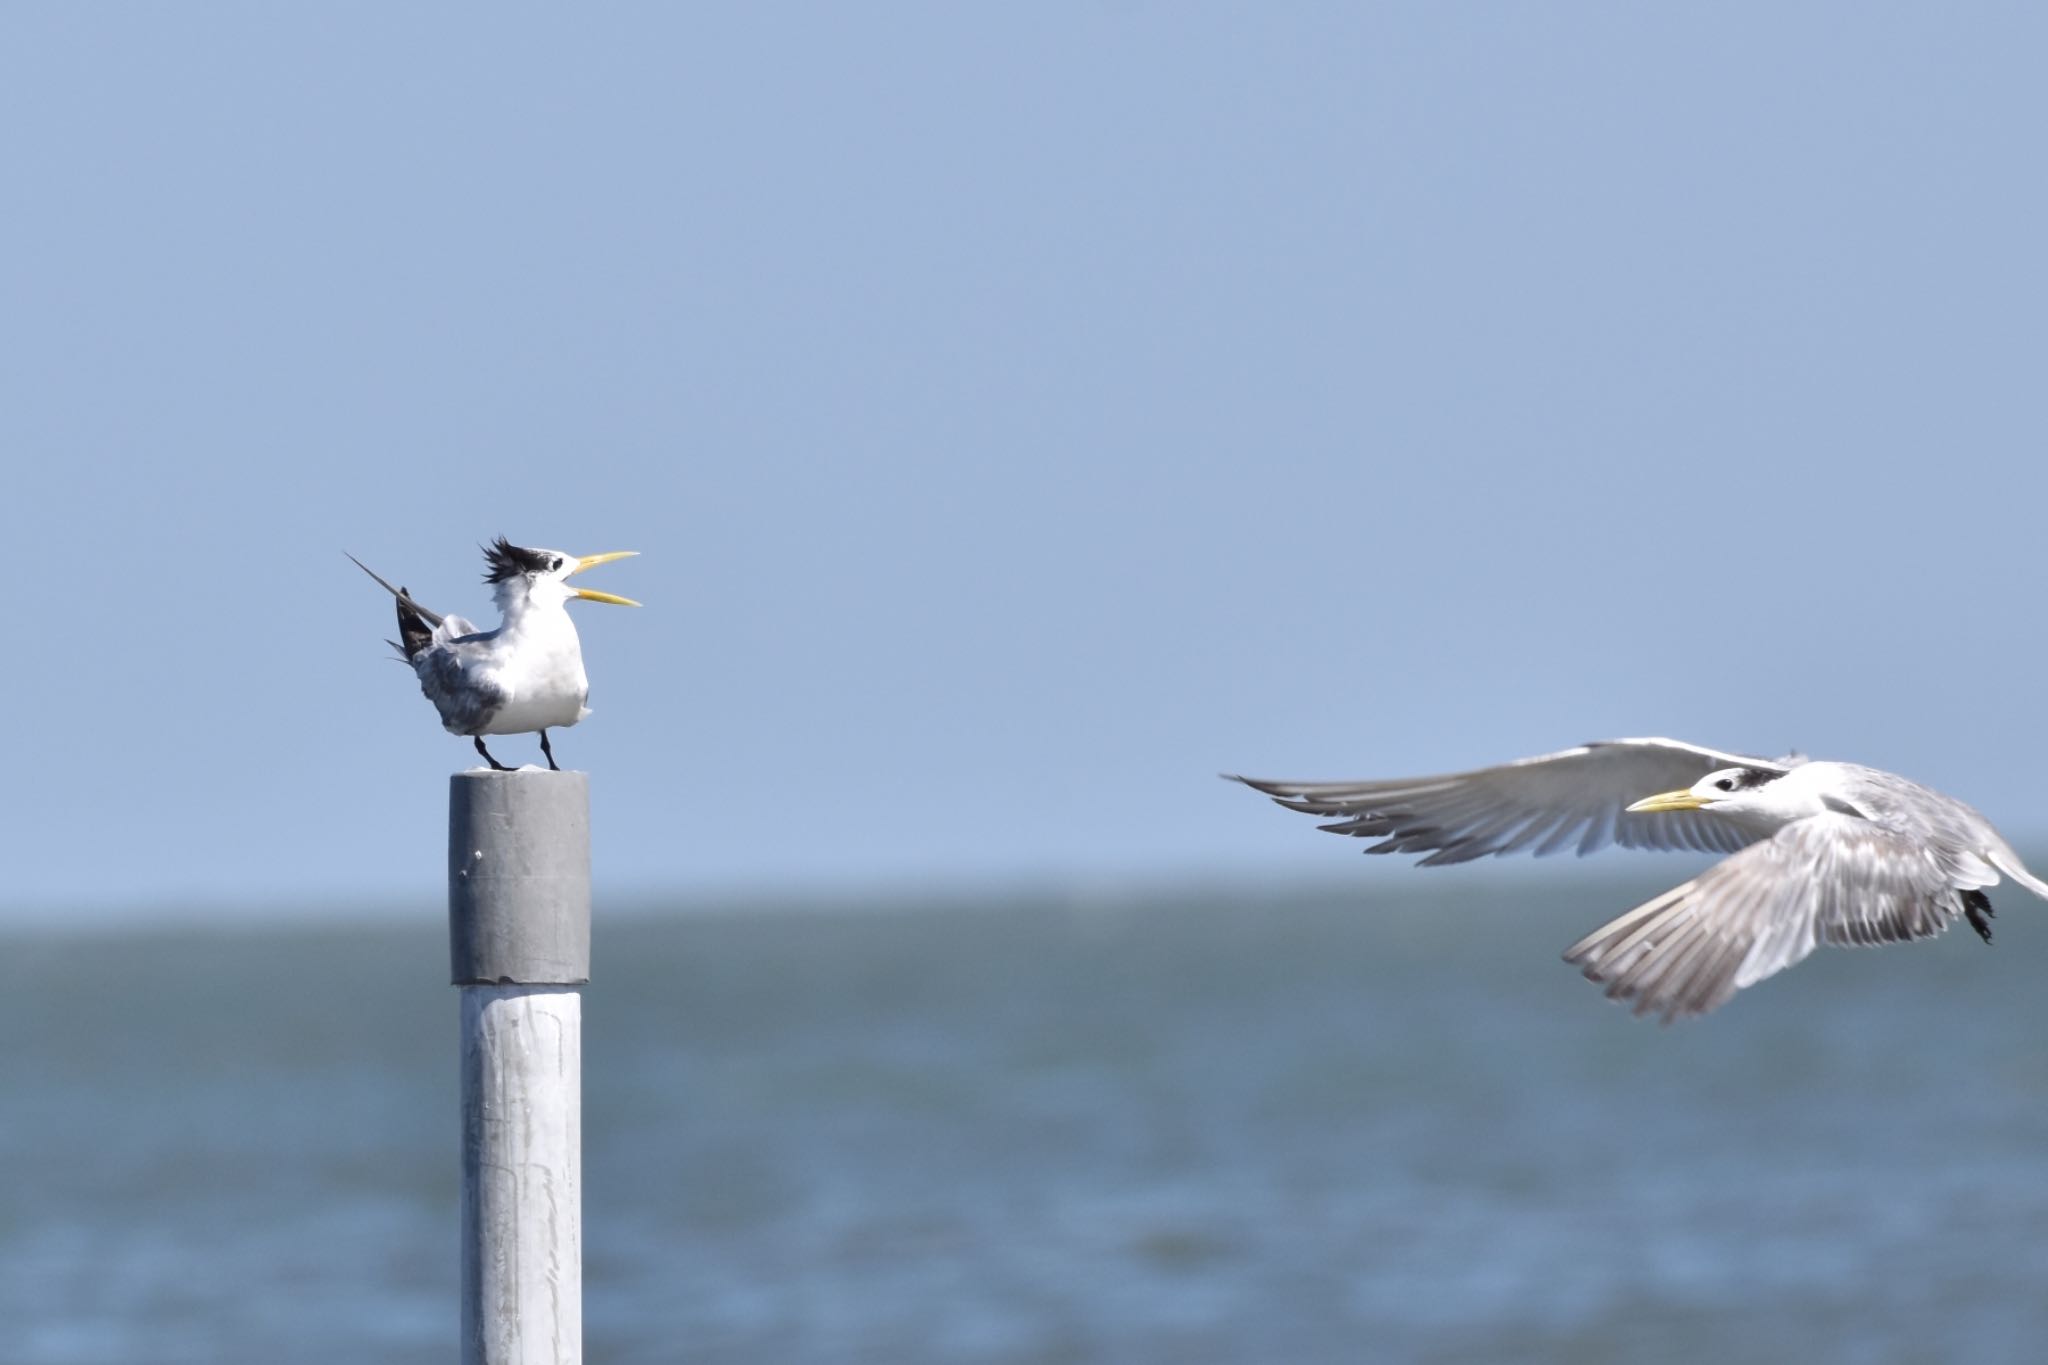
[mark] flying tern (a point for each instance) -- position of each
(1820, 853)
(524, 676)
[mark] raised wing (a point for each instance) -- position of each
(1825, 879)
(1573, 798)
(433, 618)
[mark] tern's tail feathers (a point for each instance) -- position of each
(2015, 869)
(432, 618)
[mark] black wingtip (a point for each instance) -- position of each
(413, 632)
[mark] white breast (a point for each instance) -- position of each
(540, 669)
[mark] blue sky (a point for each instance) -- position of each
(1022, 413)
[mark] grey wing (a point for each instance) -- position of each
(1573, 798)
(1829, 878)
(457, 678)
(433, 618)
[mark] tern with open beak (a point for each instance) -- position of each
(525, 676)
(1820, 853)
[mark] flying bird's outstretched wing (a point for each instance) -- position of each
(1576, 797)
(1830, 878)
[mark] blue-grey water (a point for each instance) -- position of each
(1201, 1129)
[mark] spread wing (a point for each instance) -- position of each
(1576, 797)
(1826, 879)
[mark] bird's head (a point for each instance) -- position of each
(520, 575)
(1728, 791)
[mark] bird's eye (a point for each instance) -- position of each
(1726, 784)
(554, 563)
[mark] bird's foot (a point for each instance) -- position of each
(496, 766)
(1977, 909)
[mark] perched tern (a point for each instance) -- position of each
(1831, 853)
(528, 673)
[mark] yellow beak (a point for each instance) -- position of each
(591, 562)
(1679, 800)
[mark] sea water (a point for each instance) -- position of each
(1333, 1126)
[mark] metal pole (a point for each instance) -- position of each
(519, 948)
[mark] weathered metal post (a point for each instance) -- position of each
(519, 949)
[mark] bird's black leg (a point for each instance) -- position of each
(549, 752)
(495, 765)
(1977, 908)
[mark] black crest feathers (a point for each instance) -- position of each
(509, 561)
